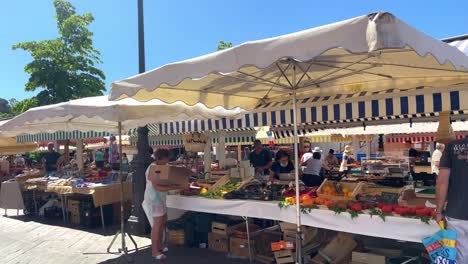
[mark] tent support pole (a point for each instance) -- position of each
(296, 171)
(123, 250)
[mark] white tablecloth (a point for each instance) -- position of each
(10, 196)
(394, 227)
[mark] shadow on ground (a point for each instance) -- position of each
(179, 255)
(108, 230)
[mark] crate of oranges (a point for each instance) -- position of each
(339, 191)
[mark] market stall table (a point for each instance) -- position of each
(104, 194)
(394, 227)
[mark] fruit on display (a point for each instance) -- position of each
(334, 189)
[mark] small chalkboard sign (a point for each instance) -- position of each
(389, 198)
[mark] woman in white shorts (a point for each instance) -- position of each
(154, 205)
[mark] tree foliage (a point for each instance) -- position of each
(22, 106)
(64, 68)
(224, 45)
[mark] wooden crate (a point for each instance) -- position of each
(264, 259)
(176, 237)
(221, 182)
(371, 189)
(239, 247)
(222, 228)
(284, 256)
(75, 218)
(356, 188)
(217, 242)
(74, 207)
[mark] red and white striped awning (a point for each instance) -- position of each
(402, 138)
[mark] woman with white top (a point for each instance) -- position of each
(348, 161)
(313, 166)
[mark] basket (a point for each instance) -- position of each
(354, 187)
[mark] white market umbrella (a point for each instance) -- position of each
(375, 52)
(100, 114)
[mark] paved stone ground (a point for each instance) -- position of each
(29, 240)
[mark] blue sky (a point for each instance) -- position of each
(177, 30)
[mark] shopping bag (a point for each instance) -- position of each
(442, 246)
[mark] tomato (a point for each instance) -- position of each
(401, 210)
(423, 212)
(356, 207)
(412, 210)
(387, 209)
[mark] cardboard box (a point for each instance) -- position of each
(169, 175)
(368, 258)
(338, 250)
(285, 256)
(239, 247)
(217, 242)
(176, 237)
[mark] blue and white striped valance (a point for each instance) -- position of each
(60, 136)
(358, 107)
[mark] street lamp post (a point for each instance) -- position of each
(138, 223)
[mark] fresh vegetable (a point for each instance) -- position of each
(356, 207)
(387, 209)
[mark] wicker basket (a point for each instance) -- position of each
(354, 187)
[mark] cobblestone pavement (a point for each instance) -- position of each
(29, 240)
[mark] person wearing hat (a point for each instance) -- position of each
(348, 161)
(313, 166)
(51, 159)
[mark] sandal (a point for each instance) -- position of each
(160, 257)
(165, 250)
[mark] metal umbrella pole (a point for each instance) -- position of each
(296, 172)
(123, 249)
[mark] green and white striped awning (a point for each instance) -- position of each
(60, 136)
(242, 136)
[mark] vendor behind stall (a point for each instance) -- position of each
(348, 161)
(313, 167)
(436, 156)
(410, 152)
(330, 161)
(50, 159)
(260, 158)
(281, 165)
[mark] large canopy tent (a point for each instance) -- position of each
(9, 146)
(99, 114)
(375, 53)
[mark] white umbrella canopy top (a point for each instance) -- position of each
(101, 115)
(374, 52)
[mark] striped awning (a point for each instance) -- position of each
(61, 136)
(416, 138)
(243, 136)
(339, 109)
(317, 139)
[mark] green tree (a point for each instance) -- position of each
(64, 68)
(22, 106)
(224, 45)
